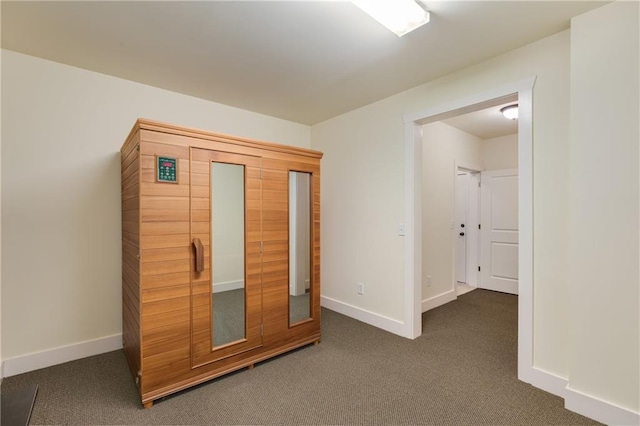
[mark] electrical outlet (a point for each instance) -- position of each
(401, 230)
(428, 280)
(360, 288)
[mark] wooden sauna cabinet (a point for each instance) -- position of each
(167, 279)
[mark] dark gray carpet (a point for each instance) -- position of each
(462, 371)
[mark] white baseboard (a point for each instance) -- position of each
(548, 382)
(598, 409)
(439, 300)
(388, 324)
(228, 285)
(581, 403)
(1, 371)
(37, 360)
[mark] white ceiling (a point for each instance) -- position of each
(305, 61)
(486, 123)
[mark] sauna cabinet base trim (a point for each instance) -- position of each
(148, 401)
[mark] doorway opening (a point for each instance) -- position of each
(522, 93)
(459, 254)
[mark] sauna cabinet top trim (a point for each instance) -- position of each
(157, 126)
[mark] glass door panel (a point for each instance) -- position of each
(299, 247)
(227, 262)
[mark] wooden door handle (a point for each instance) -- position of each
(199, 254)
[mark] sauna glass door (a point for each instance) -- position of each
(226, 267)
(300, 223)
(227, 260)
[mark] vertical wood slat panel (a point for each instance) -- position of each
(165, 259)
(276, 251)
(130, 166)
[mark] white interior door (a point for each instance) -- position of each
(499, 234)
(462, 198)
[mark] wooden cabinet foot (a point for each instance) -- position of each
(315, 343)
(250, 366)
(147, 404)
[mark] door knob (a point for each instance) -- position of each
(462, 234)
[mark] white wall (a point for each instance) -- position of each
(363, 192)
(603, 210)
(362, 205)
(62, 131)
(500, 153)
(443, 147)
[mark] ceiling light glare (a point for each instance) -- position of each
(400, 16)
(510, 112)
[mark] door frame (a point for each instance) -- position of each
(523, 91)
(456, 228)
(469, 230)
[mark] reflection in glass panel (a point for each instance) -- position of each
(299, 246)
(227, 261)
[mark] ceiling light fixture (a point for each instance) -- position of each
(400, 16)
(510, 111)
